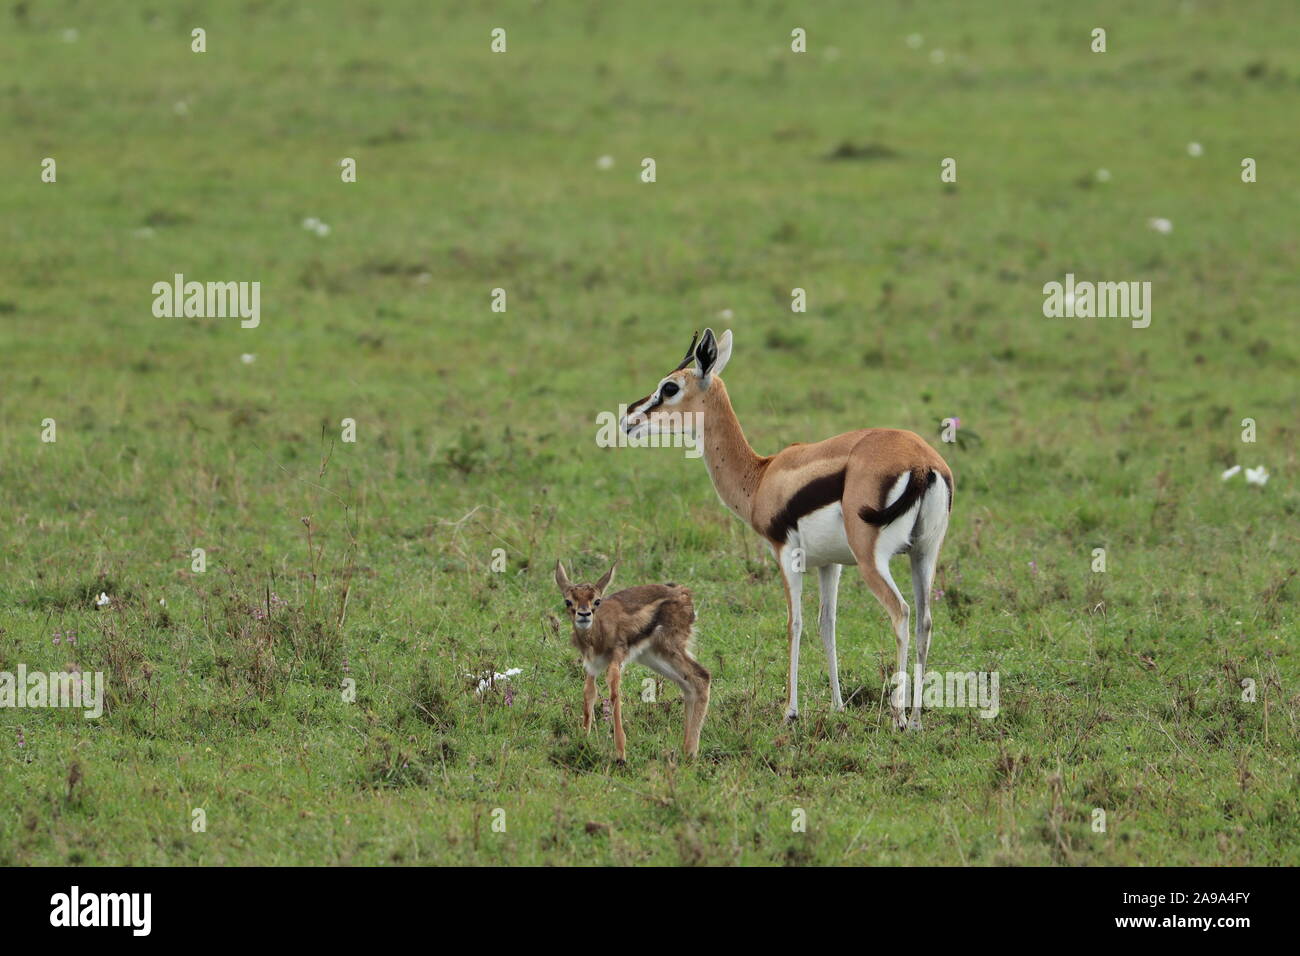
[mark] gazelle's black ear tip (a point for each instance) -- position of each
(706, 353)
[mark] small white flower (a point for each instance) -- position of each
(936, 56)
(322, 229)
(915, 40)
(1231, 472)
(144, 232)
(1195, 149)
(162, 601)
(605, 162)
(103, 600)
(1163, 226)
(70, 35)
(248, 358)
(1257, 476)
(310, 223)
(1103, 175)
(180, 107)
(486, 682)
(726, 314)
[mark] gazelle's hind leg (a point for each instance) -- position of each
(873, 548)
(922, 580)
(927, 538)
(674, 662)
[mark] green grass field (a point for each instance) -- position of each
(475, 430)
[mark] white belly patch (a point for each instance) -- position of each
(596, 666)
(821, 535)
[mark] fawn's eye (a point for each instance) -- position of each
(597, 602)
(669, 389)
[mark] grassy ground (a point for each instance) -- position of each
(476, 430)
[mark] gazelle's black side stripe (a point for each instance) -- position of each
(818, 493)
(650, 627)
(917, 484)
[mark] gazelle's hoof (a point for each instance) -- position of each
(914, 724)
(791, 715)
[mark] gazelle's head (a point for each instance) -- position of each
(581, 600)
(671, 407)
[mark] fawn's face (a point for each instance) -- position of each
(581, 600)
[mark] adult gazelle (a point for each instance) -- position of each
(859, 498)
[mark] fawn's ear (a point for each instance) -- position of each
(561, 578)
(609, 576)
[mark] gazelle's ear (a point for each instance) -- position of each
(706, 356)
(561, 578)
(609, 576)
(724, 354)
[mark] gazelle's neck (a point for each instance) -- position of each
(732, 463)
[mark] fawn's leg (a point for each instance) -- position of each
(588, 703)
(700, 681)
(678, 666)
(614, 679)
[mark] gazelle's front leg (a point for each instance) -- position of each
(614, 678)
(790, 559)
(828, 579)
(588, 703)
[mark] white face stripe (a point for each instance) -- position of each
(672, 399)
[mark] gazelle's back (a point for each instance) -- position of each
(652, 606)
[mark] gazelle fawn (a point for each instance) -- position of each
(651, 624)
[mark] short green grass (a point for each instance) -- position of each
(475, 430)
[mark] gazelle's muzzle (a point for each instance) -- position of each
(637, 415)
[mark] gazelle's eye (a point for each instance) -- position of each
(568, 603)
(597, 602)
(669, 389)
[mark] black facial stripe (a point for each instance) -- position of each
(818, 493)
